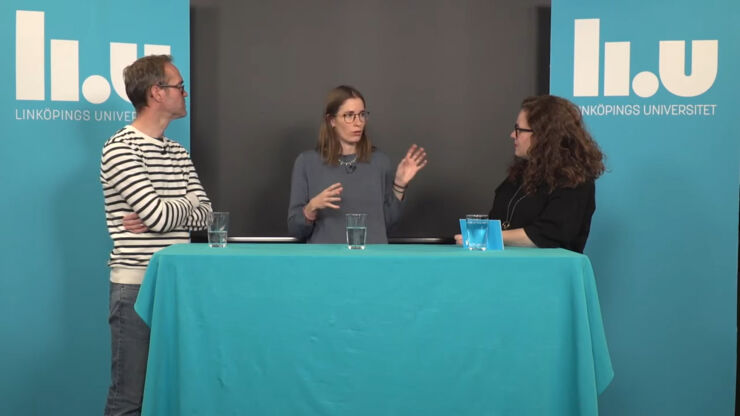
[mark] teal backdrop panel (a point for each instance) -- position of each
(657, 84)
(60, 102)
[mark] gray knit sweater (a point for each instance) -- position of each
(367, 189)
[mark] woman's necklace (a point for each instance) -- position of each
(507, 223)
(350, 165)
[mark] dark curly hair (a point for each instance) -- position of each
(562, 153)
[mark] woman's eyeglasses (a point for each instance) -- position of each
(518, 130)
(351, 116)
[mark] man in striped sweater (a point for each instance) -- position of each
(153, 199)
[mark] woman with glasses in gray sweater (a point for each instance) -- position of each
(346, 174)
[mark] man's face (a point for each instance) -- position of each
(173, 98)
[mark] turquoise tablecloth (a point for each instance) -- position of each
(291, 329)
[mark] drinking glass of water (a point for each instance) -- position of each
(356, 231)
(477, 228)
(218, 227)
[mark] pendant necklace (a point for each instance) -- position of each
(507, 223)
(350, 165)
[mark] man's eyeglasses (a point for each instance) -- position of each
(350, 117)
(180, 86)
(518, 130)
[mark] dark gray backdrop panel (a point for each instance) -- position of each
(447, 75)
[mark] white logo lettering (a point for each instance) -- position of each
(30, 74)
(671, 63)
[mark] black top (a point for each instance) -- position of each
(558, 219)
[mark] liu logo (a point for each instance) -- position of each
(671, 66)
(30, 70)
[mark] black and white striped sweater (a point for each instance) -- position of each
(156, 179)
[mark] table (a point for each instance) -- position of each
(294, 329)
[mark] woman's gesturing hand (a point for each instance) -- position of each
(328, 198)
(410, 165)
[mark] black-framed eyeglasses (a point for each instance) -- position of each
(518, 130)
(351, 116)
(180, 86)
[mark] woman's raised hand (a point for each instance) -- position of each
(410, 165)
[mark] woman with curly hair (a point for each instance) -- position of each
(548, 197)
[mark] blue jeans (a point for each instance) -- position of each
(129, 352)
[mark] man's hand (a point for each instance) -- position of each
(133, 223)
